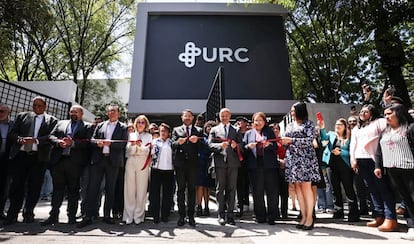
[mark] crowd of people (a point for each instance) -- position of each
(142, 164)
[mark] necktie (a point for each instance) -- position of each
(188, 131)
(226, 133)
(29, 147)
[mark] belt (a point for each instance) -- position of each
(30, 153)
(105, 154)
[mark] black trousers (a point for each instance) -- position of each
(243, 186)
(96, 174)
(186, 179)
(65, 176)
(403, 182)
(161, 192)
(25, 169)
(264, 180)
(283, 194)
(340, 172)
(4, 181)
(118, 207)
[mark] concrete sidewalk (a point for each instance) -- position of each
(207, 230)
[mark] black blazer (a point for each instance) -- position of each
(21, 128)
(9, 141)
(187, 152)
(217, 133)
(269, 153)
(81, 147)
(116, 149)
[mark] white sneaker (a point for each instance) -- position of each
(409, 235)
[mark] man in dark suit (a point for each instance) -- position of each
(108, 142)
(226, 144)
(71, 145)
(30, 152)
(5, 143)
(186, 145)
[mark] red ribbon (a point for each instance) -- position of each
(239, 153)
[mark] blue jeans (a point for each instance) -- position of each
(382, 195)
(325, 197)
(47, 186)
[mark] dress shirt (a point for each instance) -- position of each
(165, 157)
(108, 134)
(4, 129)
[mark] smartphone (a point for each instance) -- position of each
(319, 116)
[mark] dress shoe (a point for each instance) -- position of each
(2, 216)
(199, 211)
(164, 219)
(353, 219)
(389, 225)
(409, 235)
(28, 219)
(72, 221)
(156, 220)
(108, 220)
(180, 221)
(85, 222)
(339, 214)
(376, 222)
(206, 211)
(191, 221)
(231, 221)
(9, 221)
(52, 220)
(221, 221)
(271, 222)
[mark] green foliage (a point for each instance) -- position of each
(100, 110)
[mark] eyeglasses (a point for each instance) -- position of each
(339, 124)
(352, 122)
(141, 122)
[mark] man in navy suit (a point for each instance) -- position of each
(225, 142)
(5, 142)
(108, 142)
(186, 145)
(30, 153)
(71, 145)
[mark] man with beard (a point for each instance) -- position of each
(70, 139)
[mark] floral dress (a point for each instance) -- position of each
(301, 160)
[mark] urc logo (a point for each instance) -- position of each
(191, 51)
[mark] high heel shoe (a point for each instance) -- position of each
(305, 227)
(299, 226)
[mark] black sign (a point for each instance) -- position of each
(183, 52)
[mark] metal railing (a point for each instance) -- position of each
(19, 99)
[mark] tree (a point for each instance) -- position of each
(93, 33)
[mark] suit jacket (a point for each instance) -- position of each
(9, 140)
(331, 136)
(187, 152)
(21, 128)
(81, 144)
(116, 149)
(269, 155)
(230, 158)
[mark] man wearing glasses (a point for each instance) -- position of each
(108, 142)
(30, 152)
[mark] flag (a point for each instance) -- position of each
(216, 97)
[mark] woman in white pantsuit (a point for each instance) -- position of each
(137, 172)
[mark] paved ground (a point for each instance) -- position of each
(207, 231)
